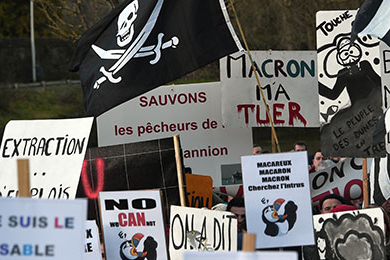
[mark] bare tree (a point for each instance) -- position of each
(69, 19)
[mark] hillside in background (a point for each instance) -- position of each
(267, 24)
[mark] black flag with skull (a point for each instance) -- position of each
(141, 45)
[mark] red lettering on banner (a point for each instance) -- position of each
(278, 109)
(277, 114)
(168, 99)
(99, 164)
(294, 109)
(246, 112)
(347, 189)
(130, 219)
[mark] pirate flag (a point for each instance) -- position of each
(141, 45)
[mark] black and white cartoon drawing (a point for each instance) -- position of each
(279, 217)
(132, 249)
(349, 235)
(350, 92)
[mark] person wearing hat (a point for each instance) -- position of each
(331, 201)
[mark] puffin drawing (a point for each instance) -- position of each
(128, 249)
(279, 217)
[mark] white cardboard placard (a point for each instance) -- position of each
(264, 255)
(194, 229)
(336, 232)
(133, 225)
(42, 229)
(345, 179)
(92, 241)
(289, 83)
(194, 112)
(55, 149)
(277, 199)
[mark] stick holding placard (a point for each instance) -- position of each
(365, 183)
(249, 242)
(23, 178)
(179, 167)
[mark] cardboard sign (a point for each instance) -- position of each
(133, 224)
(355, 234)
(241, 255)
(349, 88)
(92, 242)
(201, 230)
(344, 179)
(231, 190)
(55, 149)
(288, 81)
(136, 166)
(199, 191)
(42, 229)
(194, 112)
(379, 181)
(277, 199)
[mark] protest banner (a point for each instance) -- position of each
(231, 190)
(199, 191)
(133, 224)
(288, 81)
(201, 230)
(349, 88)
(264, 255)
(191, 110)
(92, 242)
(136, 166)
(29, 230)
(55, 150)
(357, 234)
(379, 181)
(277, 199)
(344, 179)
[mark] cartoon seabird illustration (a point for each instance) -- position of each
(128, 249)
(278, 224)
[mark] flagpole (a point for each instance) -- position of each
(33, 59)
(256, 76)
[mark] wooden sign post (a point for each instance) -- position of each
(249, 242)
(23, 178)
(179, 167)
(365, 183)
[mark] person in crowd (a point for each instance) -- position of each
(300, 146)
(331, 201)
(316, 161)
(257, 149)
(237, 207)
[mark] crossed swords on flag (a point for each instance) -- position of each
(136, 50)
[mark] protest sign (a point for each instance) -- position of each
(277, 199)
(92, 241)
(136, 166)
(379, 180)
(199, 191)
(349, 88)
(357, 234)
(344, 179)
(264, 255)
(133, 224)
(194, 112)
(231, 190)
(288, 81)
(42, 229)
(201, 230)
(55, 149)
